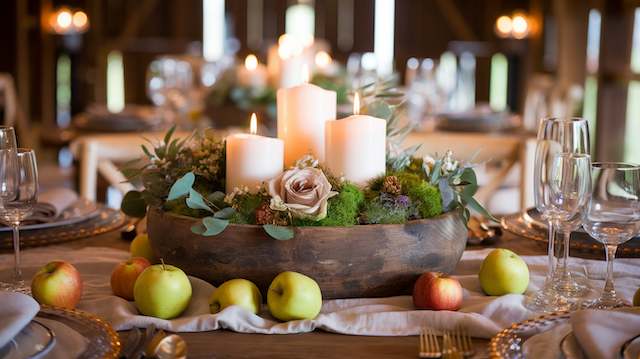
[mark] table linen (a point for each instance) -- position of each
(483, 316)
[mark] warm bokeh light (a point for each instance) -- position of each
(520, 26)
(288, 46)
(64, 19)
(306, 77)
(323, 59)
(251, 62)
(253, 125)
(356, 104)
(504, 25)
(80, 20)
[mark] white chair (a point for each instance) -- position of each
(98, 154)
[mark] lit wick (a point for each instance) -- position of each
(356, 104)
(253, 126)
(251, 62)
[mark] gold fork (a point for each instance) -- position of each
(449, 349)
(429, 346)
(463, 342)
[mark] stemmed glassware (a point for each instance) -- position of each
(561, 189)
(613, 217)
(20, 206)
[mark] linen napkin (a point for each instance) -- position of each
(51, 204)
(602, 333)
(16, 311)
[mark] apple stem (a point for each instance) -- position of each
(162, 261)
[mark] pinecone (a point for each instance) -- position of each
(391, 185)
(264, 214)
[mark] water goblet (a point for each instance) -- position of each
(19, 208)
(613, 217)
(555, 136)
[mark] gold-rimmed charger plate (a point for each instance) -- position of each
(101, 340)
(509, 343)
(530, 225)
(106, 220)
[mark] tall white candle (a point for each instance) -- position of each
(303, 111)
(252, 159)
(252, 74)
(356, 146)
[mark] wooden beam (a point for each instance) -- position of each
(456, 20)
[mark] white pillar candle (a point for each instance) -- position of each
(252, 159)
(252, 74)
(303, 111)
(356, 147)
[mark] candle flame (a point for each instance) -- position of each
(305, 73)
(323, 59)
(253, 126)
(251, 62)
(356, 104)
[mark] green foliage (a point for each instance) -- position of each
(342, 209)
(377, 212)
(336, 83)
(280, 233)
(246, 206)
(425, 196)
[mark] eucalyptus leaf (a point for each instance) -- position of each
(210, 226)
(473, 204)
(278, 232)
(225, 213)
(216, 198)
(447, 194)
(182, 186)
(379, 108)
(134, 205)
(435, 172)
(196, 201)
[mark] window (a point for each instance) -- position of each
(590, 102)
(498, 82)
(115, 82)
(632, 129)
(383, 35)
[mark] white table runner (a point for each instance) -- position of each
(483, 316)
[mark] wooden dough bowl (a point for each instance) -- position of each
(347, 262)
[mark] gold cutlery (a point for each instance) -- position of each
(429, 346)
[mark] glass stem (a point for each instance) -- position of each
(551, 252)
(565, 255)
(16, 252)
(609, 291)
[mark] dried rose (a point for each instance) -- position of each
(302, 191)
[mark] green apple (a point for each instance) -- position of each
(236, 292)
(140, 247)
(636, 298)
(58, 283)
(162, 291)
(293, 296)
(503, 272)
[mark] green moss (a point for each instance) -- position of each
(342, 209)
(425, 196)
(375, 212)
(246, 208)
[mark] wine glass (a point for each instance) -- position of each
(558, 139)
(613, 217)
(20, 207)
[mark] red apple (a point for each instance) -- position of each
(124, 276)
(58, 284)
(437, 291)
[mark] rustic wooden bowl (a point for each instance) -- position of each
(347, 262)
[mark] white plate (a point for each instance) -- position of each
(80, 211)
(34, 341)
(631, 350)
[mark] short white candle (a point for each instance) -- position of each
(356, 146)
(303, 111)
(252, 159)
(252, 74)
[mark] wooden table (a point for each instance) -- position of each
(226, 344)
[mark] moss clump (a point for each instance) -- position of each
(246, 206)
(424, 196)
(342, 209)
(386, 209)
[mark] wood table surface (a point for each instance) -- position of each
(318, 344)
